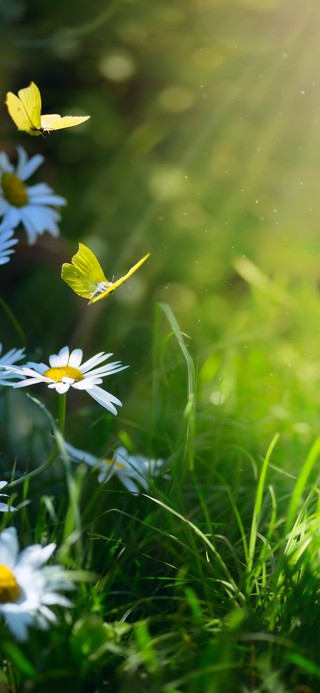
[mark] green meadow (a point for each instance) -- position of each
(190, 561)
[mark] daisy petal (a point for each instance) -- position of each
(26, 168)
(75, 358)
(60, 359)
(38, 211)
(94, 361)
(105, 399)
(9, 547)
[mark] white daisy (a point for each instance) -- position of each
(8, 359)
(7, 240)
(27, 587)
(132, 470)
(33, 206)
(65, 371)
(4, 507)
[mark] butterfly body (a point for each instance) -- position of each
(85, 275)
(101, 287)
(25, 111)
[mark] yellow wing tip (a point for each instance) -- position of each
(120, 281)
(64, 267)
(143, 259)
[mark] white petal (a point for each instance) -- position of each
(13, 217)
(105, 399)
(60, 359)
(29, 228)
(6, 246)
(4, 226)
(56, 578)
(37, 220)
(18, 623)
(6, 234)
(26, 382)
(108, 369)
(9, 547)
(80, 456)
(53, 598)
(87, 383)
(42, 194)
(4, 508)
(45, 617)
(26, 168)
(7, 380)
(61, 388)
(36, 555)
(21, 370)
(12, 356)
(94, 361)
(5, 256)
(40, 368)
(75, 358)
(105, 474)
(129, 484)
(41, 217)
(22, 158)
(4, 206)
(5, 163)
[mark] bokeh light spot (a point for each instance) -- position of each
(117, 66)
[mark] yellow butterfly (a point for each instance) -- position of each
(25, 111)
(86, 277)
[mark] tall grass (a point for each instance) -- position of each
(207, 582)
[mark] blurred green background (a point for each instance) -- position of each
(203, 148)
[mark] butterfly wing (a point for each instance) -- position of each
(86, 262)
(18, 114)
(84, 272)
(30, 98)
(120, 281)
(56, 122)
(80, 284)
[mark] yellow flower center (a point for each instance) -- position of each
(115, 464)
(9, 588)
(61, 372)
(14, 190)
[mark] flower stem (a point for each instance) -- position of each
(14, 322)
(62, 412)
(54, 452)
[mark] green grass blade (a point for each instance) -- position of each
(301, 483)
(229, 583)
(190, 408)
(258, 504)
